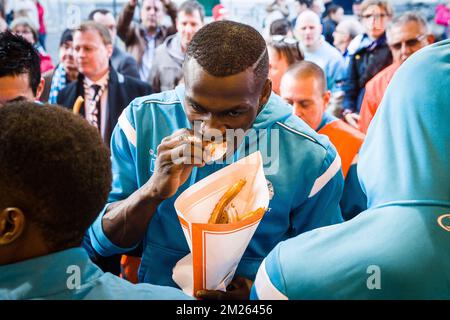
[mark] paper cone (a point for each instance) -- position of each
(216, 249)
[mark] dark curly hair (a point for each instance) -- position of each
(17, 57)
(226, 48)
(55, 168)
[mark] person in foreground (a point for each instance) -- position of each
(227, 95)
(55, 175)
(400, 247)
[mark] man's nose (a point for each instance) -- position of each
(189, 29)
(405, 50)
(298, 111)
(212, 123)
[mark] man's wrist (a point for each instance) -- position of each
(149, 193)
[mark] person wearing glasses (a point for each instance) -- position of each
(283, 52)
(372, 56)
(406, 34)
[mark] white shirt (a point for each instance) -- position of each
(147, 58)
(103, 82)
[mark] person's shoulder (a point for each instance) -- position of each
(347, 131)
(164, 46)
(67, 91)
(293, 128)
(330, 52)
(166, 101)
(110, 286)
(383, 77)
(327, 257)
(134, 82)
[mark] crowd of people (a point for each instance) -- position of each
(96, 148)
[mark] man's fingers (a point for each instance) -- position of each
(186, 154)
(211, 295)
(351, 120)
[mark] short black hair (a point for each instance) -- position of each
(307, 3)
(332, 9)
(226, 48)
(55, 168)
(17, 57)
(66, 36)
(101, 11)
(280, 27)
(190, 6)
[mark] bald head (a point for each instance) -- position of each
(308, 16)
(306, 69)
(304, 86)
(308, 29)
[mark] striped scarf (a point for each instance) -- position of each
(58, 83)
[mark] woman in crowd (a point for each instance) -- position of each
(283, 52)
(372, 55)
(24, 27)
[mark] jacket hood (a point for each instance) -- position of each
(172, 45)
(406, 154)
(276, 109)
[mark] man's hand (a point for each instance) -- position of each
(177, 155)
(238, 289)
(352, 119)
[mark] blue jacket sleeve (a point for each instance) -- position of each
(322, 205)
(351, 87)
(124, 182)
(269, 282)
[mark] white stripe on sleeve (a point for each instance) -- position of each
(264, 287)
(326, 176)
(127, 129)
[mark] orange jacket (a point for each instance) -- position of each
(129, 266)
(375, 89)
(346, 139)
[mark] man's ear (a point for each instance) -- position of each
(326, 99)
(109, 50)
(430, 38)
(266, 92)
(12, 225)
(40, 88)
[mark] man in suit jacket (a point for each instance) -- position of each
(120, 60)
(105, 92)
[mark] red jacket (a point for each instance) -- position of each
(373, 95)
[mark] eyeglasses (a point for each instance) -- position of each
(280, 42)
(374, 16)
(284, 39)
(409, 43)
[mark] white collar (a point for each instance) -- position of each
(102, 82)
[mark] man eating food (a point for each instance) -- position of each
(226, 91)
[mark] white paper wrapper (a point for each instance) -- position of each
(216, 249)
